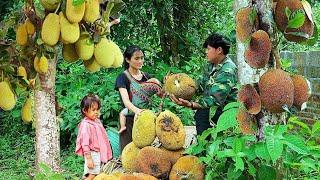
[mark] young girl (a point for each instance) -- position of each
(92, 139)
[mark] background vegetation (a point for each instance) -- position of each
(170, 31)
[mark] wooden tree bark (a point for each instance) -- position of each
(47, 127)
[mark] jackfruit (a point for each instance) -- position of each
(50, 5)
(7, 98)
(92, 11)
(105, 52)
(36, 64)
(170, 131)
(301, 89)
(245, 121)
(129, 157)
(281, 20)
(276, 90)
(244, 27)
(50, 32)
(180, 85)
(84, 47)
(74, 13)
(22, 35)
(118, 57)
(43, 65)
(137, 176)
(22, 72)
(26, 111)
(257, 53)
(70, 32)
(104, 176)
(173, 155)
(30, 27)
(91, 65)
(250, 98)
(144, 129)
(152, 161)
(69, 53)
(187, 167)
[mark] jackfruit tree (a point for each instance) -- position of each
(268, 91)
(76, 29)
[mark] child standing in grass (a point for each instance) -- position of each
(92, 140)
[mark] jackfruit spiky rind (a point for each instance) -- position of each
(74, 13)
(26, 111)
(257, 53)
(91, 65)
(104, 176)
(22, 35)
(244, 27)
(301, 89)
(281, 20)
(245, 121)
(50, 31)
(144, 129)
(43, 65)
(70, 32)
(92, 11)
(187, 167)
(137, 176)
(50, 5)
(276, 90)
(30, 27)
(181, 85)
(69, 53)
(249, 96)
(7, 97)
(84, 47)
(153, 161)
(129, 157)
(104, 52)
(173, 155)
(170, 130)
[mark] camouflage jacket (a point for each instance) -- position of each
(218, 84)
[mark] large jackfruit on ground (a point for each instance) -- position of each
(84, 47)
(170, 130)
(129, 157)
(144, 129)
(281, 20)
(188, 168)
(244, 27)
(7, 97)
(153, 161)
(26, 111)
(276, 90)
(257, 53)
(92, 11)
(180, 85)
(70, 32)
(74, 13)
(301, 89)
(50, 31)
(250, 98)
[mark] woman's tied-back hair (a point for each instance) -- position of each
(128, 53)
(88, 101)
(216, 40)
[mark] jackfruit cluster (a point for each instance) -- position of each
(180, 85)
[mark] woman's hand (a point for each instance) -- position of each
(180, 101)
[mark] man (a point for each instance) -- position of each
(217, 86)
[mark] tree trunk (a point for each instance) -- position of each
(47, 127)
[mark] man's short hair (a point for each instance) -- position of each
(216, 40)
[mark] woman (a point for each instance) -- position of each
(135, 88)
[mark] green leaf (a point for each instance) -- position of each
(252, 16)
(274, 147)
(225, 153)
(296, 144)
(296, 20)
(214, 147)
(266, 173)
(315, 128)
(77, 2)
(237, 145)
(232, 105)
(296, 121)
(286, 63)
(262, 152)
(227, 120)
(119, 5)
(44, 168)
(280, 130)
(239, 164)
(314, 38)
(251, 169)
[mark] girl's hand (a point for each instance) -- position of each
(90, 163)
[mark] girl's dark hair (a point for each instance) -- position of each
(216, 40)
(87, 102)
(128, 53)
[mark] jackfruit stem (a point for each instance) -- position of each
(276, 55)
(57, 8)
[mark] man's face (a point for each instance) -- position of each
(213, 54)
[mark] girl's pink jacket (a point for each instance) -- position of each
(93, 137)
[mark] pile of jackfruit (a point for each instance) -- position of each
(142, 159)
